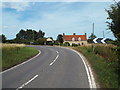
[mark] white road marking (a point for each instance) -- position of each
(22, 63)
(27, 82)
(57, 52)
(91, 78)
(89, 72)
(54, 60)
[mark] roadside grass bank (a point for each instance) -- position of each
(13, 54)
(104, 62)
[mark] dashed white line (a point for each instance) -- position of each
(54, 60)
(57, 52)
(27, 82)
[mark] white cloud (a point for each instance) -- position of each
(18, 6)
(61, 20)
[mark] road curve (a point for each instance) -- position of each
(55, 67)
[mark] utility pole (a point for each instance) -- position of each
(103, 35)
(93, 30)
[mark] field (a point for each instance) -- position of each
(13, 54)
(104, 62)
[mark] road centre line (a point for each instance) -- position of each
(23, 85)
(54, 60)
(57, 52)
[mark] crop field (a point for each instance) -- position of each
(13, 54)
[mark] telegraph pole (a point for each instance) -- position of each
(93, 30)
(103, 35)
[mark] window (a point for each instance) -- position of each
(79, 39)
(73, 39)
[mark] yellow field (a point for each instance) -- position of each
(11, 46)
(101, 45)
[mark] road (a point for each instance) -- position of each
(55, 67)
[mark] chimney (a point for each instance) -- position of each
(63, 34)
(85, 34)
(74, 34)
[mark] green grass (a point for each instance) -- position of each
(14, 56)
(104, 65)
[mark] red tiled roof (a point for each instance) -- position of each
(76, 37)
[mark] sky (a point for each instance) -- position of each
(55, 18)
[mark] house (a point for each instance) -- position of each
(49, 41)
(75, 39)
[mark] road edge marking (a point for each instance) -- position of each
(88, 69)
(22, 63)
(23, 85)
(89, 72)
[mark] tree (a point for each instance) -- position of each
(28, 36)
(66, 44)
(114, 26)
(3, 38)
(114, 16)
(92, 36)
(21, 34)
(60, 38)
(40, 41)
(40, 34)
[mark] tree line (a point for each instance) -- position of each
(27, 36)
(30, 36)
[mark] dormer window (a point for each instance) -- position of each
(73, 39)
(79, 39)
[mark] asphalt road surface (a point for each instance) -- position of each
(55, 67)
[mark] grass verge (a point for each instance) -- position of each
(104, 63)
(15, 55)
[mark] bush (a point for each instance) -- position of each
(66, 44)
(106, 51)
(104, 61)
(56, 43)
(40, 41)
(74, 45)
(50, 44)
(61, 44)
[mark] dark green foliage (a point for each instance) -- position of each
(28, 37)
(40, 41)
(66, 44)
(90, 40)
(29, 34)
(74, 45)
(114, 26)
(50, 43)
(60, 38)
(3, 38)
(114, 15)
(92, 36)
(56, 43)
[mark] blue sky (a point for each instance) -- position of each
(55, 18)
